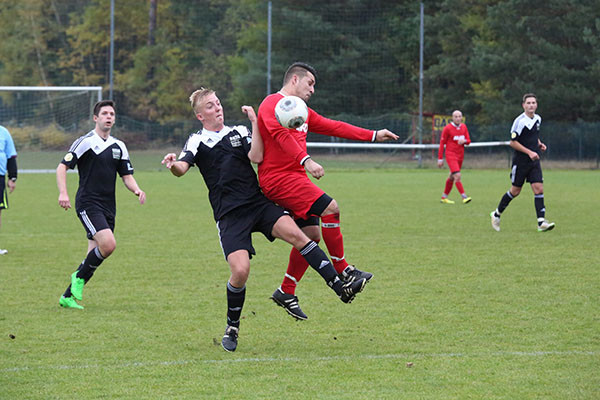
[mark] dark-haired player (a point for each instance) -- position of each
(525, 140)
(98, 157)
(283, 178)
(223, 154)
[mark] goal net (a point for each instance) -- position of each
(47, 118)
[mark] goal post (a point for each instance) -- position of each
(47, 117)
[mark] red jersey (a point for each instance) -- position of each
(450, 137)
(285, 149)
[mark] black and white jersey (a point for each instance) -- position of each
(98, 162)
(222, 158)
(526, 131)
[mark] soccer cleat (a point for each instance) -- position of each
(351, 289)
(446, 200)
(467, 200)
(495, 221)
(3, 251)
(69, 302)
(290, 303)
(229, 341)
(77, 286)
(351, 273)
(545, 225)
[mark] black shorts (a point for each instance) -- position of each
(526, 170)
(95, 220)
(315, 211)
(3, 194)
(235, 227)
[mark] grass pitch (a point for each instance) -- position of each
(455, 310)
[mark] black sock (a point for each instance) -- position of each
(320, 263)
(540, 210)
(89, 265)
(235, 303)
(504, 202)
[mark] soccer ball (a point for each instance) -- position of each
(291, 112)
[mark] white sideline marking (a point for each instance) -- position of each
(298, 359)
(42, 171)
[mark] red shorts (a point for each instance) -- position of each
(295, 193)
(454, 163)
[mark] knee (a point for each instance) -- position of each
(456, 177)
(107, 247)
(332, 208)
(515, 191)
(239, 274)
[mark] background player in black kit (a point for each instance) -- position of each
(525, 140)
(223, 154)
(98, 157)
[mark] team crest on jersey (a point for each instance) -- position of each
(236, 140)
(68, 157)
(116, 154)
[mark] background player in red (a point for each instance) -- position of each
(283, 178)
(455, 137)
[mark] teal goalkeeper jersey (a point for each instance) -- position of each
(7, 149)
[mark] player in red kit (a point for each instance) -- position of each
(283, 179)
(455, 137)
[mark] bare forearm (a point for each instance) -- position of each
(179, 168)
(257, 147)
(61, 178)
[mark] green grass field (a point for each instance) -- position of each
(455, 310)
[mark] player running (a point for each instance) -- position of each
(98, 157)
(455, 137)
(223, 154)
(283, 178)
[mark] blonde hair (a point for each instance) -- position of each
(197, 96)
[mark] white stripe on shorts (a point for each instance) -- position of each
(87, 222)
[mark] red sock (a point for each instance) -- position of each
(460, 188)
(332, 235)
(297, 266)
(448, 187)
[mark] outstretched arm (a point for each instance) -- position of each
(132, 185)
(383, 135)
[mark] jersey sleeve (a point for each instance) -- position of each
(467, 137)
(516, 128)
(190, 149)
(124, 167)
(9, 146)
(281, 135)
(443, 140)
(77, 149)
(325, 126)
(246, 137)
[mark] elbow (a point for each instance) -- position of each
(256, 158)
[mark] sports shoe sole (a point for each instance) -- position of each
(280, 304)
(547, 229)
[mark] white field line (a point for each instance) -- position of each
(404, 357)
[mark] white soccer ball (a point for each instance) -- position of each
(291, 112)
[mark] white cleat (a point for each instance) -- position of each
(3, 251)
(495, 221)
(545, 226)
